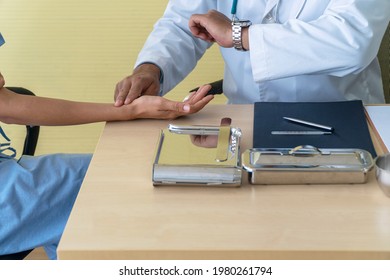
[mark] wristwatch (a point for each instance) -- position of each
(237, 26)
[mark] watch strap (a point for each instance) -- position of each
(237, 33)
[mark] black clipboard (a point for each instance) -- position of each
(346, 117)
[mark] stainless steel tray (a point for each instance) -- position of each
(306, 165)
(195, 155)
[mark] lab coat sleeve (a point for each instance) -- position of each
(171, 45)
(344, 40)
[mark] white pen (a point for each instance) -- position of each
(316, 125)
(300, 132)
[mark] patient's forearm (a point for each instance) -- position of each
(33, 110)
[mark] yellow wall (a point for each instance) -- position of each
(79, 50)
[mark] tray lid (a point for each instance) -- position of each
(199, 147)
(198, 155)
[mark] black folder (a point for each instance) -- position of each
(346, 117)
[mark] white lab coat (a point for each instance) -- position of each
(302, 50)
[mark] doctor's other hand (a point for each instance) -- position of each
(145, 80)
(212, 27)
(157, 107)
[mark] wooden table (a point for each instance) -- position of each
(120, 215)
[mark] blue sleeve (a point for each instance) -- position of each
(1, 40)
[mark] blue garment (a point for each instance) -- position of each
(299, 50)
(1, 40)
(36, 198)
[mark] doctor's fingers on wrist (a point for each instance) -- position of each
(153, 89)
(141, 88)
(121, 90)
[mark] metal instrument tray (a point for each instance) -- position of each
(306, 165)
(195, 155)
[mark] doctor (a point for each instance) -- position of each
(274, 50)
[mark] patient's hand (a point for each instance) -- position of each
(157, 107)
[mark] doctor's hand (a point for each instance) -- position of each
(212, 27)
(216, 27)
(145, 80)
(157, 107)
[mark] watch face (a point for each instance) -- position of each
(242, 23)
(246, 23)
